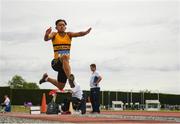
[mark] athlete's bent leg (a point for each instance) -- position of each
(59, 85)
(45, 78)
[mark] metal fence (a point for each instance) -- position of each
(130, 99)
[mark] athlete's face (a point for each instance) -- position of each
(61, 26)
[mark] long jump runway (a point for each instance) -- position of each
(105, 117)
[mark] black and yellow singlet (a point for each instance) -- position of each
(61, 45)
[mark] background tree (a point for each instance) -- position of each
(19, 83)
(30, 85)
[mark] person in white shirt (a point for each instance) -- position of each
(76, 91)
(6, 104)
(77, 98)
(95, 89)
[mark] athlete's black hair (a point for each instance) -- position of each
(59, 20)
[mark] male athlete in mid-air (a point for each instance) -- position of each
(61, 41)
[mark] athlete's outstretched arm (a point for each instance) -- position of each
(79, 34)
(48, 35)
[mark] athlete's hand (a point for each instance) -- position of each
(46, 36)
(88, 30)
(48, 31)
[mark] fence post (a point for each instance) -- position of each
(102, 99)
(108, 100)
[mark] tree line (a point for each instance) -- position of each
(17, 82)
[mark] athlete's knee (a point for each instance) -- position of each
(61, 85)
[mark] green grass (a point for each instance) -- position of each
(16, 108)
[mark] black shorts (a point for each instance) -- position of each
(57, 65)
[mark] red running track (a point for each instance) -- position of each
(88, 119)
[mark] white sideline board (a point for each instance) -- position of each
(35, 110)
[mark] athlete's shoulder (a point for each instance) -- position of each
(52, 35)
(69, 34)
